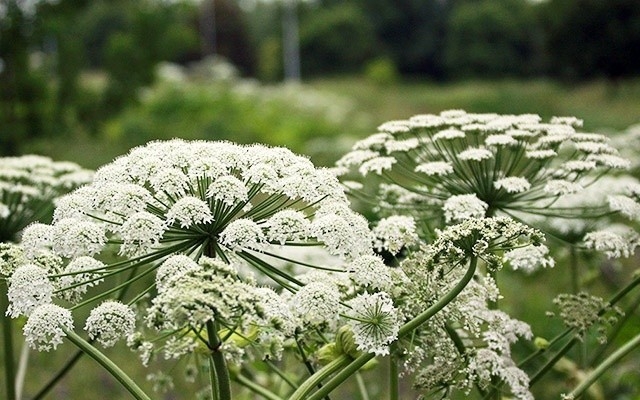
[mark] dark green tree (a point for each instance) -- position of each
(410, 32)
(23, 91)
(492, 38)
(592, 38)
(338, 38)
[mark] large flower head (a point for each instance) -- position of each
(198, 197)
(506, 163)
(207, 220)
(28, 187)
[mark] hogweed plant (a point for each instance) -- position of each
(438, 170)
(247, 266)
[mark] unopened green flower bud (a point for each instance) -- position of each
(541, 343)
(327, 353)
(345, 342)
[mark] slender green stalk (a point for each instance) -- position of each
(255, 388)
(440, 304)
(549, 364)
(628, 313)
(394, 387)
(7, 345)
(107, 364)
(604, 366)
(213, 381)
(218, 363)
(404, 330)
(21, 374)
(573, 271)
(281, 374)
(362, 387)
(616, 298)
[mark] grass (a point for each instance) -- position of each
(603, 105)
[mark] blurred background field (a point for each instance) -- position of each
(87, 80)
(323, 117)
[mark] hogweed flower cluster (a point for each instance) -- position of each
(28, 187)
(246, 253)
(209, 219)
(469, 343)
(459, 165)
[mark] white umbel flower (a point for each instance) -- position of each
(369, 271)
(513, 184)
(559, 187)
(228, 189)
(395, 232)
(625, 205)
(435, 168)
(461, 207)
(29, 287)
(377, 165)
(72, 237)
(614, 244)
(45, 327)
(189, 211)
(110, 322)
(374, 321)
(79, 275)
(36, 238)
(529, 258)
(288, 225)
(243, 234)
(172, 269)
(140, 233)
(449, 134)
(475, 154)
(317, 303)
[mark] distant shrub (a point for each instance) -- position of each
(242, 111)
(382, 71)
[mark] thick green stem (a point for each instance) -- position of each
(320, 375)
(404, 330)
(7, 345)
(255, 388)
(604, 366)
(107, 364)
(218, 363)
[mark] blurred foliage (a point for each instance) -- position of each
(382, 71)
(337, 38)
(593, 38)
(241, 111)
(492, 38)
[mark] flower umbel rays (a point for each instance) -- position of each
(374, 321)
(509, 163)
